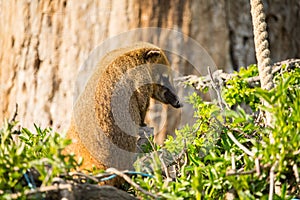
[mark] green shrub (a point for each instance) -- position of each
(229, 152)
(23, 152)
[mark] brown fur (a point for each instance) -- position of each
(102, 131)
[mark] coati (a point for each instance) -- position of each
(113, 105)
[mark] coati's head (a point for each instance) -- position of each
(163, 89)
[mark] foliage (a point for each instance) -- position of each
(226, 152)
(30, 156)
(229, 152)
(238, 91)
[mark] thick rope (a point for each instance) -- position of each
(261, 44)
(262, 52)
(263, 62)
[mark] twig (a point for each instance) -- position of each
(296, 173)
(184, 150)
(241, 132)
(296, 152)
(15, 113)
(186, 154)
(43, 189)
(164, 166)
(247, 151)
(257, 166)
(205, 81)
(144, 133)
(272, 180)
(231, 136)
(84, 175)
(233, 162)
(177, 158)
(47, 177)
(152, 145)
(128, 179)
(168, 178)
(241, 172)
(216, 88)
(233, 173)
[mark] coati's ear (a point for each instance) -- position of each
(151, 54)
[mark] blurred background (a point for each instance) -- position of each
(45, 46)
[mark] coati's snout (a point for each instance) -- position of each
(171, 98)
(166, 95)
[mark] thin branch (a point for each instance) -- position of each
(296, 173)
(184, 150)
(241, 146)
(164, 166)
(186, 155)
(47, 177)
(168, 178)
(241, 172)
(231, 136)
(128, 179)
(176, 159)
(151, 143)
(15, 114)
(272, 180)
(233, 173)
(216, 88)
(205, 81)
(296, 152)
(144, 133)
(257, 166)
(233, 166)
(42, 190)
(83, 175)
(247, 151)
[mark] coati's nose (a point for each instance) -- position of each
(172, 98)
(177, 104)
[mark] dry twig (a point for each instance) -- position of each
(43, 190)
(164, 166)
(205, 81)
(128, 179)
(217, 88)
(296, 173)
(83, 175)
(257, 166)
(233, 166)
(241, 172)
(272, 180)
(247, 151)
(15, 114)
